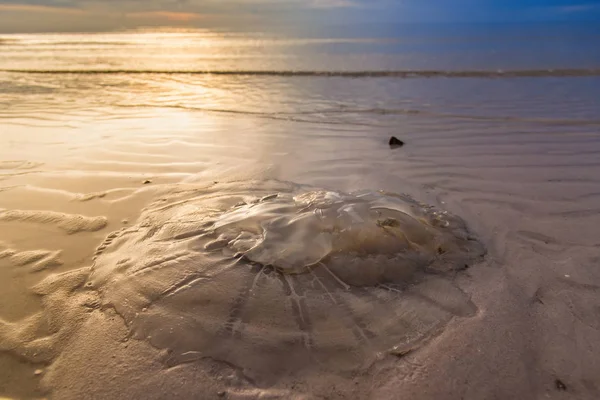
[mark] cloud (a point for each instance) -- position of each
(37, 8)
(576, 8)
(88, 15)
(332, 3)
(166, 15)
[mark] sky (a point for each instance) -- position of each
(108, 15)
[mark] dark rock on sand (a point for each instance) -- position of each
(560, 385)
(395, 142)
(147, 182)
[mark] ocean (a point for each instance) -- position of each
(100, 133)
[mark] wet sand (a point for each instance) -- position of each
(529, 194)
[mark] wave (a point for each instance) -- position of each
(28, 44)
(523, 73)
(77, 43)
(304, 116)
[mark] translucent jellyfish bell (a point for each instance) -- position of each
(275, 280)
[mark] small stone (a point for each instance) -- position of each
(395, 142)
(560, 385)
(147, 182)
(38, 372)
(125, 221)
(222, 394)
(403, 353)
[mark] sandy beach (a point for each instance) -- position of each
(101, 174)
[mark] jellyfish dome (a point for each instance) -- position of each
(274, 277)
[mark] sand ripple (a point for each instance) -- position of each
(37, 259)
(70, 223)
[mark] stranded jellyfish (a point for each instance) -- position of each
(272, 277)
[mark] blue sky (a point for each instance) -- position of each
(93, 15)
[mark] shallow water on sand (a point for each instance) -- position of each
(85, 155)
